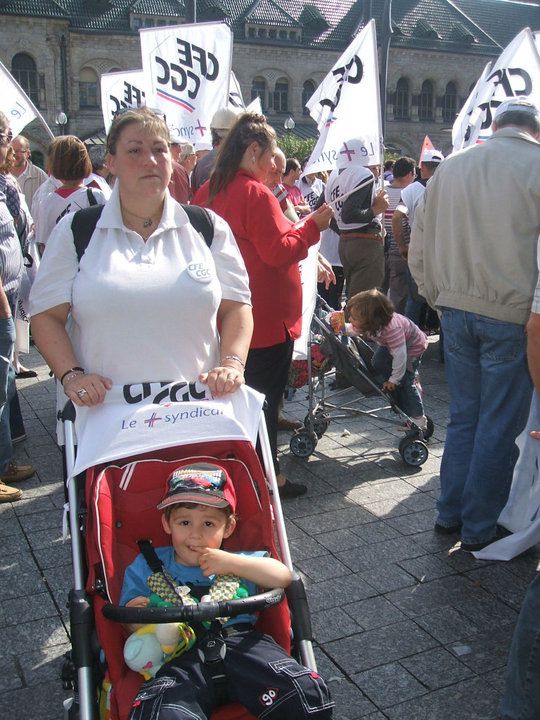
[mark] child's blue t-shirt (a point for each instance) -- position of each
(138, 572)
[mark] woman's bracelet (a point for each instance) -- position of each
(74, 370)
(235, 358)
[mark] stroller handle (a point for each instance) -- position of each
(194, 613)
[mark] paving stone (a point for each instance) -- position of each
(351, 703)
(389, 577)
(388, 684)
(28, 505)
(426, 568)
(376, 555)
(323, 567)
(414, 522)
(31, 607)
(338, 592)
(375, 532)
(22, 704)
(498, 579)
(467, 700)
(40, 633)
(488, 651)
(436, 668)
(365, 650)
(446, 624)
(41, 521)
(340, 540)
(374, 612)
(335, 519)
(10, 678)
(333, 625)
(43, 665)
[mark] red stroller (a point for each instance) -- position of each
(121, 491)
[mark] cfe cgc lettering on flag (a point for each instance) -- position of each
(194, 63)
(132, 97)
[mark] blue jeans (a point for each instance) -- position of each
(7, 388)
(490, 394)
(406, 395)
(521, 698)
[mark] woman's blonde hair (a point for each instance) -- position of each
(9, 162)
(250, 127)
(372, 308)
(148, 119)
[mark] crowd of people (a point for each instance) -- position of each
(458, 234)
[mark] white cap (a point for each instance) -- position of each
(432, 155)
(517, 104)
(358, 151)
(223, 119)
(202, 145)
(175, 137)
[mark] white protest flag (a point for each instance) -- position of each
(470, 112)
(515, 73)
(189, 68)
(255, 106)
(236, 100)
(16, 104)
(347, 104)
(121, 90)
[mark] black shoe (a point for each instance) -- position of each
(25, 374)
(447, 530)
(474, 547)
(291, 490)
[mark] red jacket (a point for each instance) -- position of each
(271, 247)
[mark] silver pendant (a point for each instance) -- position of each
(147, 222)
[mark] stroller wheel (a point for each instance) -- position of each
(413, 452)
(303, 443)
(319, 422)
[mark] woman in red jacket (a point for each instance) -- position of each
(271, 247)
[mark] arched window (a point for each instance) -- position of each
(425, 101)
(307, 91)
(258, 89)
(402, 101)
(23, 69)
(88, 89)
(281, 96)
(449, 103)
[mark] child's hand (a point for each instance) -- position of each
(390, 386)
(337, 320)
(213, 561)
(138, 601)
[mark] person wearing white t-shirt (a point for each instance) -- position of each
(69, 161)
(148, 294)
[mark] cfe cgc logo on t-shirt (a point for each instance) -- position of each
(200, 271)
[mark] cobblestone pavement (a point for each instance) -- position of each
(407, 627)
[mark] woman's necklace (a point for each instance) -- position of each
(146, 221)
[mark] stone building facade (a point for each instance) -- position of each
(282, 50)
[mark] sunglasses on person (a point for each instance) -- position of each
(6, 138)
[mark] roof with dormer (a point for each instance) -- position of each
(461, 26)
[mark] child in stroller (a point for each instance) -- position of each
(401, 346)
(198, 513)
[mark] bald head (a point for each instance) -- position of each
(274, 177)
(21, 148)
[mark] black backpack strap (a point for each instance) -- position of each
(150, 555)
(201, 220)
(91, 198)
(83, 225)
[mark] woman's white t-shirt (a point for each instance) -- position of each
(143, 311)
(54, 206)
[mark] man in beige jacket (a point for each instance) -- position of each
(473, 254)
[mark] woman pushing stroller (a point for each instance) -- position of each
(198, 514)
(401, 346)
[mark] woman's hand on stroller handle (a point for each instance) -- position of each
(223, 380)
(86, 390)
